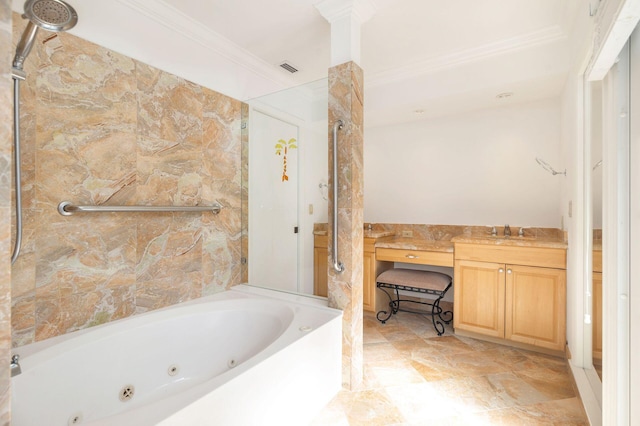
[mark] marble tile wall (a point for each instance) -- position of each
(101, 128)
(6, 114)
(345, 289)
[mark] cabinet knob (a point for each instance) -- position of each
(509, 271)
(411, 256)
(501, 270)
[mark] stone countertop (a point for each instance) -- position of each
(377, 234)
(386, 239)
(406, 243)
(367, 234)
(513, 241)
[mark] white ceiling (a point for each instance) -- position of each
(441, 57)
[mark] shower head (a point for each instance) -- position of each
(51, 15)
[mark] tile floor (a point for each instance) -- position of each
(414, 377)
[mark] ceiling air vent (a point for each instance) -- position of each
(287, 66)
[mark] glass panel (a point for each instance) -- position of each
(596, 223)
(284, 180)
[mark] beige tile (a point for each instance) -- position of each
(377, 352)
(434, 367)
(417, 402)
(511, 389)
(447, 345)
(567, 412)
(373, 336)
(464, 382)
(373, 408)
(393, 332)
(553, 384)
(389, 373)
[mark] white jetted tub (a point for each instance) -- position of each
(246, 356)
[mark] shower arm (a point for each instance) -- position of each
(337, 265)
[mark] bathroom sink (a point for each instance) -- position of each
(512, 238)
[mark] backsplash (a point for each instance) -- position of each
(101, 128)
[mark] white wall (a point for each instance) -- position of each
(476, 168)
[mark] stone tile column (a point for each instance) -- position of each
(345, 288)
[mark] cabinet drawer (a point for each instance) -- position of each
(527, 256)
(415, 256)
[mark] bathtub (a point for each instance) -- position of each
(246, 356)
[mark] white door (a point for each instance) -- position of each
(273, 202)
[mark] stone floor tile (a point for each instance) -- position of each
(412, 377)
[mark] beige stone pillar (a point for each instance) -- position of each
(345, 288)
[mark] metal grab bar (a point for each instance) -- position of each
(337, 265)
(65, 208)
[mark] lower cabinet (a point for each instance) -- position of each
(596, 311)
(368, 280)
(597, 316)
(525, 304)
(320, 264)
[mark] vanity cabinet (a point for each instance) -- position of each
(513, 293)
(596, 312)
(320, 264)
(369, 275)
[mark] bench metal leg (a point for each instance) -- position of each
(439, 317)
(436, 310)
(394, 306)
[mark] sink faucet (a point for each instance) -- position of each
(507, 231)
(521, 232)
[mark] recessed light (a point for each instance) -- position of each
(504, 95)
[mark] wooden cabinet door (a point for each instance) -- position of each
(535, 308)
(596, 316)
(320, 264)
(479, 297)
(368, 282)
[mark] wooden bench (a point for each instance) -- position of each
(421, 282)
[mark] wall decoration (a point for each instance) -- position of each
(285, 146)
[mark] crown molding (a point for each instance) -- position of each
(614, 22)
(178, 22)
(334, 10)
(541, 37)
